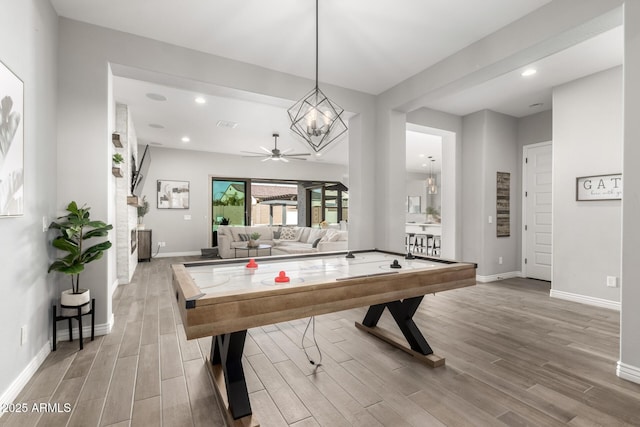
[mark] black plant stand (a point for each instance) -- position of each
(77, 316)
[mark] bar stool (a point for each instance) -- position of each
(407, 240)
(436, 246)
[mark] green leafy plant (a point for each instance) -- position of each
(74, 229)
(144, 208)
(117, 158)
(255, 236)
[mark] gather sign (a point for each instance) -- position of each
(599, 187)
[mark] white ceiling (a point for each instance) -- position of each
(364, 45)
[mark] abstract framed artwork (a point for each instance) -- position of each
(11, 143)
(173, 194)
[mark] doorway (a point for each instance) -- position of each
(537, 207)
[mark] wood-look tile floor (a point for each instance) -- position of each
(514, 357)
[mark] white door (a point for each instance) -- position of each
(537, 248)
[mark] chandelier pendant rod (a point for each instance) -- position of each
(316, 44)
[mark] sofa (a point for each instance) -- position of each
(283, 240)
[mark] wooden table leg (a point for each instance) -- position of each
(225, 366)
(402, 312)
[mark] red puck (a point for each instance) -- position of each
(282, 277)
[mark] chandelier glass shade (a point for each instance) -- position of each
(432, 188)
(315, 118)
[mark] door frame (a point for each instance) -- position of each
(523, 219)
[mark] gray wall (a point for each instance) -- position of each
(587, 140)
(28, 46)
(189, 236)
(488, 146)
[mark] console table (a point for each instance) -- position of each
(144, 245)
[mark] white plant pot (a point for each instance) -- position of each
(69, 299)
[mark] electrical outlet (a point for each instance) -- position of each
(490, 219)
(499, 260)
(45, 224)
(612, 282)
(23, 335)
(187, 217)
(162, 244)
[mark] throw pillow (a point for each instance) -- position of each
(276, 233)
(315, 243)
(315, 233)
(244, 237)
(288, 233)
(331, 236)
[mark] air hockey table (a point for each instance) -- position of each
(224, 298)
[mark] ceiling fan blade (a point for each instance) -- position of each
(298, 154)
(266, 158)
(284, 159)
(266, 150)
(295, 158)
(253, 152)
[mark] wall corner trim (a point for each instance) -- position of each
(628, 372)
(10, 394)
(585, 299)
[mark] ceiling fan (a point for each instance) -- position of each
(275, 154)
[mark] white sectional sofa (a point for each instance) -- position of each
(283, 240)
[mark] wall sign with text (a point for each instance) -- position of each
(599, 187)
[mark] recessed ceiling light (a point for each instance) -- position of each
(318, 154)
(421, 155)
(424, 165)
(155, 143)
(156, 126)
(536, 105)
(156, 97)
(529, 72)
(200, 100)
(185, 139)
(226, 124)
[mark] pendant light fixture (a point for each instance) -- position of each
(432, 188)
(315, 117)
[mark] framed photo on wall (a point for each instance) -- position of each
(173, 194)
(11, 143)
(413, 204)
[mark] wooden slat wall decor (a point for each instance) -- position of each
(503, 204)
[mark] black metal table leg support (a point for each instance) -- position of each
(226, 351)
(402, 312)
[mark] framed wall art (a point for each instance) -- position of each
(599, 187)
(413, 204)
(11, 143)
(503, 204)
(173, 194)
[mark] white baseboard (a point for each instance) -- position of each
(102, 329)
(584, 299)
(499, 276)
(172, 254)
(18, 384)
(628, 372)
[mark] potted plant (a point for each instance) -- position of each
(74, 229)
(116, 160)
(143, 209)
(253, 240)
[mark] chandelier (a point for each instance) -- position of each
(432, 188)
(315, 117)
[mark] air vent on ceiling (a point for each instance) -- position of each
(226, 124)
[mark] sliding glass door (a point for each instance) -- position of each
(229, 199)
